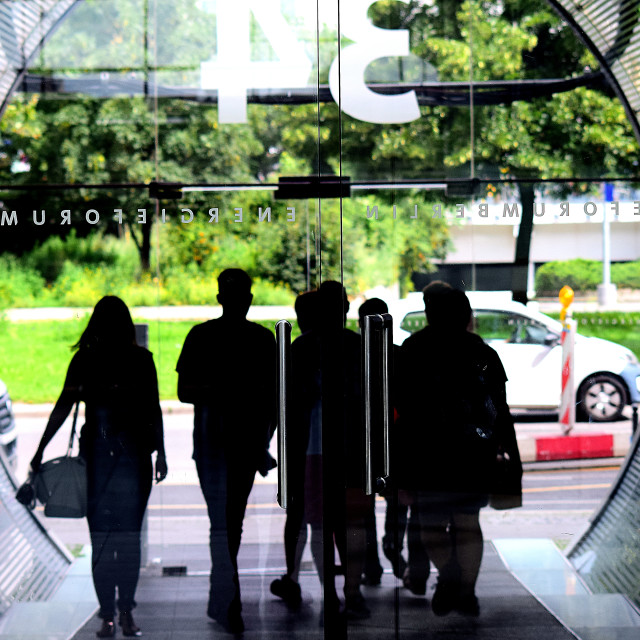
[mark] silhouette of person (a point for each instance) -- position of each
(307, 308)
(452, 419)
(327, 418)
(117, 381)
(227, 370)
(397, 520)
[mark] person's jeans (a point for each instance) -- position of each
(226, 492)
(119, 485)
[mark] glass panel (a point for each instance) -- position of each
(143, 154)
(496, 126)
(131, 99)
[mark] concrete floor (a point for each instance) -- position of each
(173, 608)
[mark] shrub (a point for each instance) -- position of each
(584, 275)
(267, 293)
(579, 274)
(19, 285)
(188, 285)
(626, 274)
(83, 286)
(49, 258)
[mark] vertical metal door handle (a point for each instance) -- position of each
(387, 405)
(283, 340)
(371, 323)
(377, 368)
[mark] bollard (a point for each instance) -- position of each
(567, 408)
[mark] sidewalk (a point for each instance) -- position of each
(258, 312)
(544, 442)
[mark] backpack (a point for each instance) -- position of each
(474, 419)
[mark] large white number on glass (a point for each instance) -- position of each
(233, 71)
(347, 82)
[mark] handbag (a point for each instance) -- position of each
(61, 484)
(506, 483)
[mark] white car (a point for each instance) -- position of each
(607, 375)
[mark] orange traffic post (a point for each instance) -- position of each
(567, 396)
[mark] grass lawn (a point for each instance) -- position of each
(35, 355)
(629, 336)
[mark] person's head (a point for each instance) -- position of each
(430, 295)
(234, 292)
(370, 307)
(110, 325)
(334, 305)
(448, 308)
(307, 308)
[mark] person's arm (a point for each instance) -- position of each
(506, 427)
(68, 397)
(272, 376)
(161, 468)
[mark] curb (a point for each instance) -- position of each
(554, 448)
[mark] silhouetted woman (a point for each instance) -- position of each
(117, 381)
(453, 419)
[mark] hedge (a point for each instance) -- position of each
(584, 275)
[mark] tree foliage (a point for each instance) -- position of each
(90, 140)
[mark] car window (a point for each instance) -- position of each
(495, 326)
(509, 327)
(414, 321)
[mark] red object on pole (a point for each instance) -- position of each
(595, 445)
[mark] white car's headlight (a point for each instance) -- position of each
(631, 357)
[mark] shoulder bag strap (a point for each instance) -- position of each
(73, 428)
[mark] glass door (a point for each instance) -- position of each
(440, 147)
(338, 153)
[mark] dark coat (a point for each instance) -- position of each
(447, 442)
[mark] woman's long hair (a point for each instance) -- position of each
(110, 326)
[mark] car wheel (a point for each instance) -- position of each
(601, 398)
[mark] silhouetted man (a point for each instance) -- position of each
(227, 370)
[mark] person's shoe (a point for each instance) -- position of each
(108, 629)
(417, 586)
(356, 607)
(129, 627)
(373, 576)
(234, 623)
(335, 614)
(445, 597)
(231, 621)
(398, 563)
(468, 605)
(287, 589)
